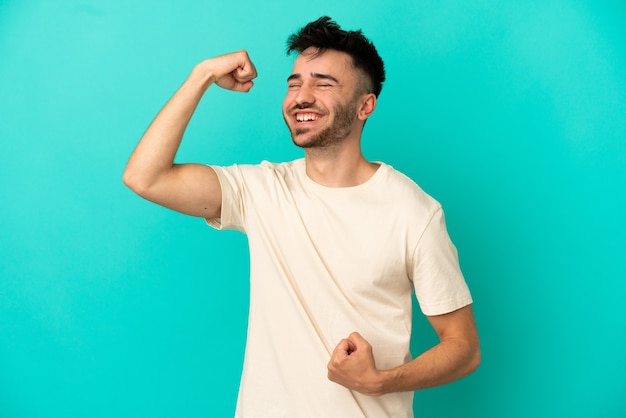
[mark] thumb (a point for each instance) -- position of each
(343, 348)
(245, 72)
(357, 339)
(358, 343)
(243, 76)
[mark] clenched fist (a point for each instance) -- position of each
(352, 365)
(234, 71)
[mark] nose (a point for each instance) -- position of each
(304, 96)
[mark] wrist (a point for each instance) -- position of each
(380, 383)
(203, 75)
(385, 382)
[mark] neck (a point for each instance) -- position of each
(342, 166)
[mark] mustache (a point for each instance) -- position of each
(307, 106)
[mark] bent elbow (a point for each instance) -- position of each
(134, 182)
(473, 361)
(128, 179)
(476, 360)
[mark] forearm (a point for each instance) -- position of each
(155, 153)
(446, 362)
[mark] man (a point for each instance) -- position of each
(337, 243)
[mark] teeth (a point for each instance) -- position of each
(306, 117)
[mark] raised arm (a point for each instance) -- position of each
(192, 189)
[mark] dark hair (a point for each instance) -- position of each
(325, 34)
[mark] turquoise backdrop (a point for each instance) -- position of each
(511, 113)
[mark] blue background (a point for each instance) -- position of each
(511, 114)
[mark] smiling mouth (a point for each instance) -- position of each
(306, 117)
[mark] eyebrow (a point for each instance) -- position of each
(314, 75)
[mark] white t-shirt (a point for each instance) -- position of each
(326, 262)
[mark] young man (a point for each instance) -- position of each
(337, 243)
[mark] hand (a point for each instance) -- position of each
(234, 71)
(352, 365)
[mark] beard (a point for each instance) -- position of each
(335, 134)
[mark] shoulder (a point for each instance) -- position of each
(262, 169)
(265, 175)
(407, 191)
(282, 168)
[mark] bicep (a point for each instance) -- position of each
(192, 189)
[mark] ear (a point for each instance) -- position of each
(367, 106)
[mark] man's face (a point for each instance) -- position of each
(320, 107)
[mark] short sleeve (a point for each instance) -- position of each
(439, 283)
(233, 188)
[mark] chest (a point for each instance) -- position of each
(361, 243)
